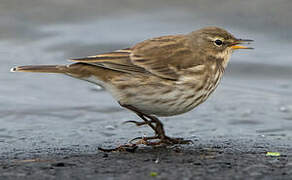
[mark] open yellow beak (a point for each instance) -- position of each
(241, 41)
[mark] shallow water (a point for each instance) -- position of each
(40, 111)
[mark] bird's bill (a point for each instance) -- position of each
(240, 47)
(237, 43)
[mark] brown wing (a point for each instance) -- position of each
(163, 56)
(117, 60)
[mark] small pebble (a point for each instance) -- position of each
(153, 174)
(287, 108)
(105, 155)
(274, 154)
(110, 127)
(283, 109)
(247, 113)
(157, 160)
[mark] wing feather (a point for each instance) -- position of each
(162, 56)
(117, 60)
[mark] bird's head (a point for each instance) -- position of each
(217, 43)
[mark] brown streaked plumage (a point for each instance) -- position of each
(162, 76)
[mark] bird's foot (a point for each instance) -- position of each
(148, 141)
(158, 141)
(121, 148)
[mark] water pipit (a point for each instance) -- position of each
(162, 76)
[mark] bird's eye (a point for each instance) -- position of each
(218, 42)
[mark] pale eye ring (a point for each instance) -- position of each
(218, 42)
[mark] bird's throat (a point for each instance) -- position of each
(224, 56)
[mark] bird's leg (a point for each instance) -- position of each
(158, 128)
(142, 116)
(161, 134)
(156, 125)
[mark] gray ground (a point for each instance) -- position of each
(52, 125)
(215, 158)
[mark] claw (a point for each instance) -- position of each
(142, 140)
(125, 122)
(161, 141)
(122, 148)
(134, 139)
(138, 123)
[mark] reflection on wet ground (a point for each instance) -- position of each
(49, 111)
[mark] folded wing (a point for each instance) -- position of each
(163, 56)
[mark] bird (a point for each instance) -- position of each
(161, 76)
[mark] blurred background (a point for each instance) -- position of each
(43, 111)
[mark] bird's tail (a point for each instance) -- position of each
(41, 68)
(77, 70)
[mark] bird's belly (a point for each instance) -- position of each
(162, 100)
(156, 97)
(172, 103)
